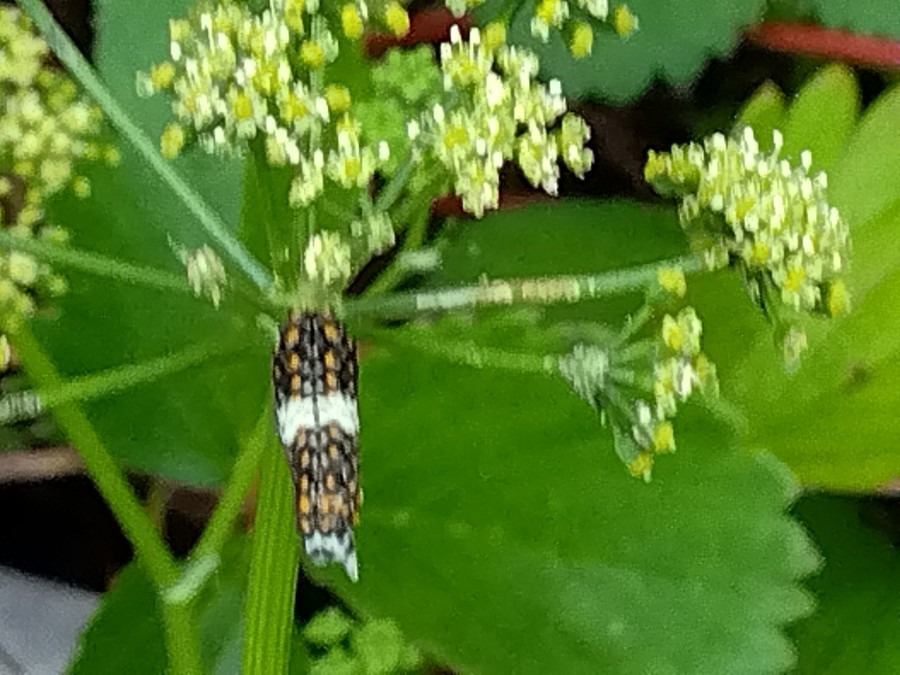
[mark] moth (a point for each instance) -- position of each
(315, 377)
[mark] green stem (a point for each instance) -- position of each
(273, 570)
(182, 639)
(66, 51)
(96, 264)
(470, 353)
(114, 380)
(389, 194)
(219, 526)
(394, 274)
(505, 292)
(150, 551)
(149, 548)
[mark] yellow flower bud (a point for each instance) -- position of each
(624, 21)
(172, 140)
(351, 22)
(396, 18)
(582, 40)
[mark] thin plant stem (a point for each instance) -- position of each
(219, 526)
(114, 380)
(390, 193)
(394, 274)
(66, 51)
(182, 639)
(470, 353)
(269, 608)
(544, 290)
(96, 264)
(150, 550)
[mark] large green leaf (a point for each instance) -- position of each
(855, 628)
(498, 501)
(674, 42)
(183, 425)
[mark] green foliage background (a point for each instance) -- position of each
(499, 530)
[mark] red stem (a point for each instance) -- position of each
(829, 43)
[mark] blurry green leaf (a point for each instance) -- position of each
(867, 178)
(765, 112)
(862, 16)
(183, 425)
(327, 627)
(379, 645)
(125, 635)
(498, 499)
(855, 628)
(674, 43)
(828, 100)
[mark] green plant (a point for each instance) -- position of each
(499, 531)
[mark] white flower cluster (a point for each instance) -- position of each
(205, 272)
(616, 380)
(46, 128)
(494, 111)
(236, 75)
(759, 211)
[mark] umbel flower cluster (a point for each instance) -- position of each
(756, 210)
(573, 19)
(237, 75)
(46, 128)
(495, 111)
(637, 384)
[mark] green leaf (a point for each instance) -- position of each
(855, 627)
(499, 500)
(126, 635)
(861, 16)
(867, 179)
(183, 425)
(672, 44)
(327, 627)
(828, 100)
(498, 497)
(765, 111)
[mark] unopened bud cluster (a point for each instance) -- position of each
(47, 127)
(573, 18)
(758, 211)
(638, 384)
(235, 75)
(493, 111)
